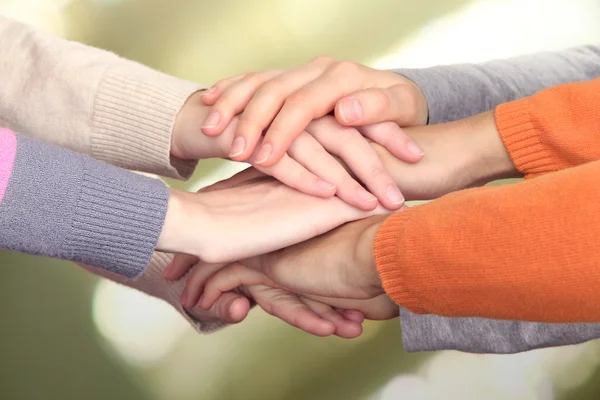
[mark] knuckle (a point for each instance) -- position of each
(249, 124)
(381, 100)
(322, 60)
(377, 171)
(299, 98)
(274, 87)
(345, 68)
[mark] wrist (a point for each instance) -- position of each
(490, 159)
(184, 222)
(422, 108)
(167, 240)
(366, 257)
(189, 143)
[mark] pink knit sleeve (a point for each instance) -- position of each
(8, 150)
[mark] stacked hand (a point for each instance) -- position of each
(310, 284)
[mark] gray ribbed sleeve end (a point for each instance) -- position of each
(65, 205)
(480, 335)
(458, 91)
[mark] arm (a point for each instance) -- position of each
(61, 204)
(458, 91)
(433, 332)
(554, 130)
(526, 251)
(94, 102)
(90, 101)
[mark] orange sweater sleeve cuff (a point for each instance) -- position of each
(522, 139)
(387, 240)
(552, 130)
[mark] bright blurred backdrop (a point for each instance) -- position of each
(67, 335)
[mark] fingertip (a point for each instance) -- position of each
(349, 329)
(238, 310)
(325, 328)
(353, 315)
(167, 272)
(209, 97)
(214, 123)
(211, 132)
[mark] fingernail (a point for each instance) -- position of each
(366, 196)
(238, 146)
(325, 185)
(414, 148)
(209, 91)
(350, 110)
(263, 154)
(184, 296)
(393, 193)
(212, 120)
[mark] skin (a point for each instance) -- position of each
(338, 268)
(309, 163)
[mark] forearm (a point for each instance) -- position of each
(460, 154)
(152, 283)
(61, 204)
(527, 251)
(454, 92)
(90, 100)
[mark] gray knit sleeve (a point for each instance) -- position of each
(66, 205)
(458, 91)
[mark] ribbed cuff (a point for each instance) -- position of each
(387, 247)
(133, 117)
(116, 220)
(522, 139)
(66, 205)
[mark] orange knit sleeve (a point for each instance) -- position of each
(527, 251)
(554, 129)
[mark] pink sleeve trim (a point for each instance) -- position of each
(8, 151)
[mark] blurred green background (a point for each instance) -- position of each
(67, 335)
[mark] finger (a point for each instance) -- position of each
(353, 315)
(344, 328)
(289, 172)
(309, 153)
(179, 266)
(212, 94)
(240, 178)
(394, 139)
(398, 103)
(288, 307)
(230, 308)
(264, 106)
(314, 100)
(229, 278)
(359, 156)
(194, 285)
(233, 101)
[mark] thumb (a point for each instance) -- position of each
(403, 103)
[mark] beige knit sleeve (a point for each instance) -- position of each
(90, 100)
(152, 283)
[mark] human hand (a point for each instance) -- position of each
(257, 216)
(461, 154)
(335, 269)
(284, 102)
(310, 164)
